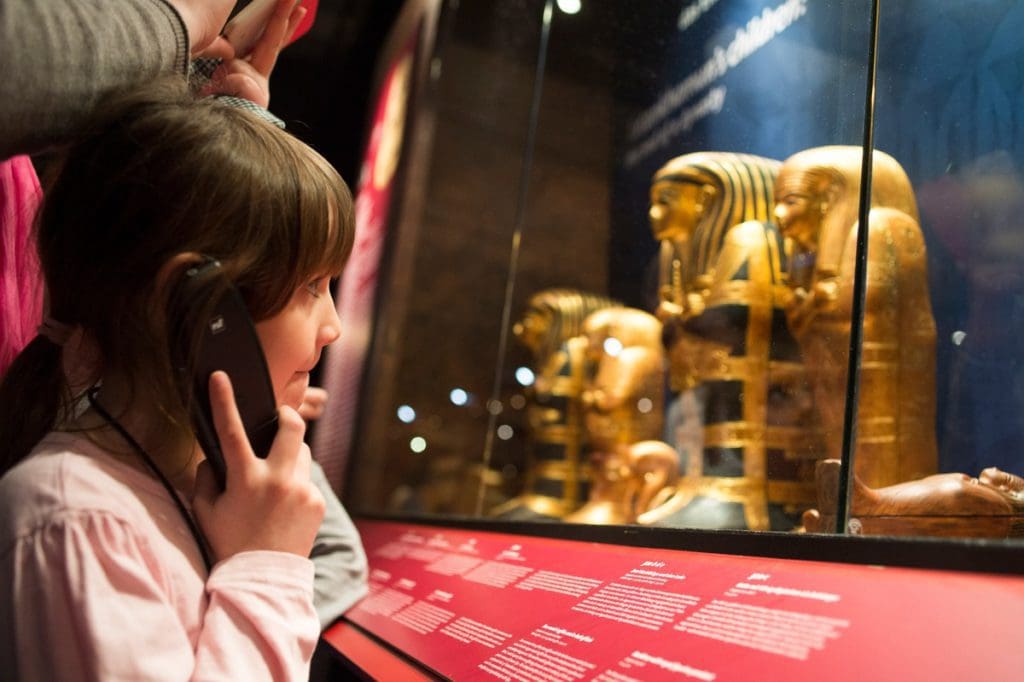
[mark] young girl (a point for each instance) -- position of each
(107, 514)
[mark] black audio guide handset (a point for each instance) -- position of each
(210, 330)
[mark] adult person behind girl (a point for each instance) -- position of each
(100, 576)
(61, 58)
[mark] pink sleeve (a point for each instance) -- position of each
(89, 600)
(261, 609)
(21, 285)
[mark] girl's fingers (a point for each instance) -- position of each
(228, 423)
(288, 451)
(303, 464)
(313, 403)
(288, 446)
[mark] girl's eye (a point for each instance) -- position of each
(314, 287)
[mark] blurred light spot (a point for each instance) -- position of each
(494, 406)
(418, 444)
(517, 402)
(570, 6)
(958, 337)
(509, 471)
(612, 346)
(406, 414)
(645, 405)
(525, 377)
(458, 396)
(505, 432)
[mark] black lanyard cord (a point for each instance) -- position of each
(189, 520)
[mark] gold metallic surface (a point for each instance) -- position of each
(721, 288)
(623, 406)
(817, 195)
(624, 345)
(550, 328)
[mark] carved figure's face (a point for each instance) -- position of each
(532, 329)
(677, 207)
(798, 211)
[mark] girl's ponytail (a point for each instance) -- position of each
(33, 395)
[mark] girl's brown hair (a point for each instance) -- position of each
(161, 174)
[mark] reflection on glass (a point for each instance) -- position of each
(961, 148)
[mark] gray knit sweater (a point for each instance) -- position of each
(59, 57)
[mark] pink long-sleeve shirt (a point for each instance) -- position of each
(100, 579)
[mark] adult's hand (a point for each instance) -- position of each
(204, 20)
(248, 76)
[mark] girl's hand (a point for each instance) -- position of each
(309, 401)
(267, 504)
(314, 400)
(248, 76)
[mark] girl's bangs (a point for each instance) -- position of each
(326, 230)
(306, 231)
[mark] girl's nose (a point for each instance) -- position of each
(330, 327)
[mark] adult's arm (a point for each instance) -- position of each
(59, 58)
(341, 569)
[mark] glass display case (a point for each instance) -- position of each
(632, 271)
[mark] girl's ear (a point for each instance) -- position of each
(171, 271)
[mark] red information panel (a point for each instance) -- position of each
(477, 605)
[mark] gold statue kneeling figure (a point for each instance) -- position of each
(623, 405)
(816, 206)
